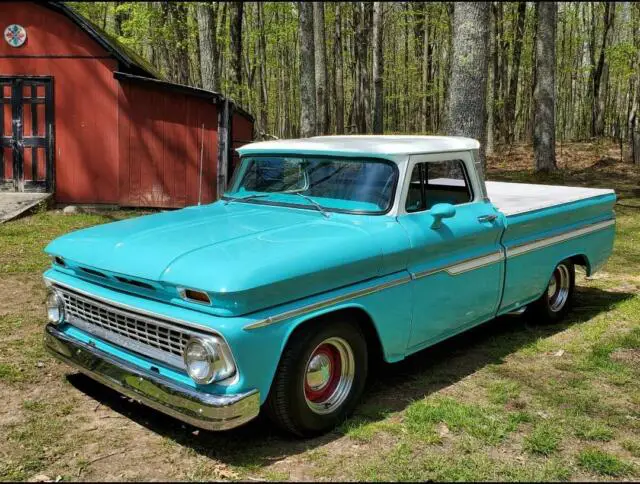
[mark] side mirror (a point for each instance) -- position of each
(440, 211)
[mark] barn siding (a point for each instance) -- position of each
(160, 136)
(86, 137)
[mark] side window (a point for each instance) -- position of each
(438, 182)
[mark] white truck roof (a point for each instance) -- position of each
(365, 145)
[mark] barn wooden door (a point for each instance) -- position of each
(26, 124)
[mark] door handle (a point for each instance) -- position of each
(487, 218)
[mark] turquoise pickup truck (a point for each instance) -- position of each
(325, 255)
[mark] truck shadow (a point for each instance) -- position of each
(259, 443)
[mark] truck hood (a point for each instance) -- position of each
(246, 256)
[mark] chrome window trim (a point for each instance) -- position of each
(467, 160)
(541, 243)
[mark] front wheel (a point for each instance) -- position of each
(555, 302)
(320, 378)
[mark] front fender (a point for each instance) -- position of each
(387, 302)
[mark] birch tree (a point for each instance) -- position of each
(466, 111)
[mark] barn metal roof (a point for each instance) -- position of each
(129, 60)
(133, 66)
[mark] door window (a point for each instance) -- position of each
(438, 182)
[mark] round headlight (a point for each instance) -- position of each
(200, 358)
(55, 308)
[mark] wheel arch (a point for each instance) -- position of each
(348, 312)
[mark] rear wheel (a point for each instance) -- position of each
(320, 378)
(555, 302)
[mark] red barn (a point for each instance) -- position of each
(88, 120)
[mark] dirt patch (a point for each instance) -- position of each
(630, 357)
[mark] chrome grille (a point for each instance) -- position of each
(158, 339)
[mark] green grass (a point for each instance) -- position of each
(544, 440)
(23, 241)
(603, 463)
(489, 425)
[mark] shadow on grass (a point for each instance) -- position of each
(392, 388)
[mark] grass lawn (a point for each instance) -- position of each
(505, 401)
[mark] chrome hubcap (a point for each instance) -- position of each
(319, 372)
(558, 289)
(329, 375)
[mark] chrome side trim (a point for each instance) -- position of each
(464, 266)
(327, 302)
(204, 410)
(475, 263)
(453, 269)
(547, 241)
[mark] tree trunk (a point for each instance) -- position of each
(262, 56)
(367, 11)
(510, 103)
(337, 52)
(466, 112)
(597, 106)
(235, 16)
(207, 16)
(491, 90)
(426, 72)
(544, 93)
(307, 72)
(378, 69)
(322, 123)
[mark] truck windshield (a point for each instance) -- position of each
(335, 184)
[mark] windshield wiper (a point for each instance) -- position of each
(248, 197)
(315, 204)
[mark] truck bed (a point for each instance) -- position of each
(518, 198)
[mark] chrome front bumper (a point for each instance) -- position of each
(204, 410)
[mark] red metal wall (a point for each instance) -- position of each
(241, 133)
(85, 99)
(160, 145)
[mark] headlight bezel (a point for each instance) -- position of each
(55, 302)
(221, 365)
